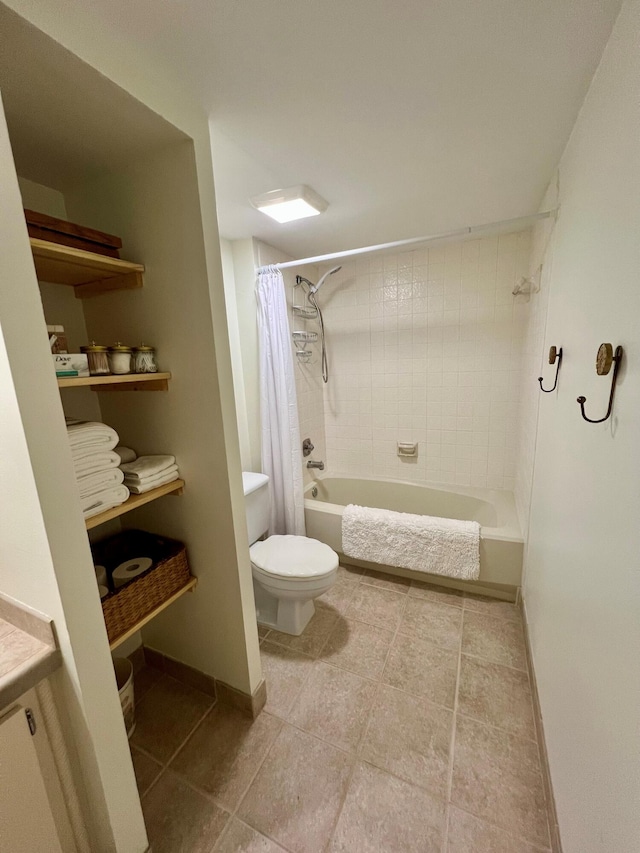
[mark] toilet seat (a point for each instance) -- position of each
(294, 557)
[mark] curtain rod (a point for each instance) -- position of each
(462, 232)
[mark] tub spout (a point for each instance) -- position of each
(319, 465)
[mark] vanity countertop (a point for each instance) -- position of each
(28, 651)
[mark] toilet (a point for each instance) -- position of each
(288, 571)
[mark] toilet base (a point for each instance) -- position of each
(286, 615)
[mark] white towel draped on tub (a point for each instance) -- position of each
(439, 546)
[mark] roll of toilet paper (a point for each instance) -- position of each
(131, 569)
(103, 590)
(101, 575)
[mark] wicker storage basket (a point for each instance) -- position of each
(125, 606)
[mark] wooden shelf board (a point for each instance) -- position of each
(128, 382)
(89, 273)
(135, 501)
(188, 587)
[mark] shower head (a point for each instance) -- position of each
(322, 280)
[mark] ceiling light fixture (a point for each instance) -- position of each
(292, 203)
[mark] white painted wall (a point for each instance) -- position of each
(582, 591)
(245, 260)
(235, 346)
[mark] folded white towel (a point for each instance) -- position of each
(148, 466)
(90, 434)
(439, 546)
(103, 501)
(126, 454)
(141, 486)
(92, 463)
(98, 482)
(142, 481)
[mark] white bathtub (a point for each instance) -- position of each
(501, 543)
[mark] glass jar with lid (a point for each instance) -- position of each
(97, 357)
(120, 358)
(144, 359)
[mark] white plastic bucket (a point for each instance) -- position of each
(124, 679)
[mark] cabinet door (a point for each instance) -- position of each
(26, 821)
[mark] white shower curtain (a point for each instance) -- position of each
(281, 450)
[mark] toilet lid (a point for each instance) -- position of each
(293, 557)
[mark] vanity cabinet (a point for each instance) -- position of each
(26, 820)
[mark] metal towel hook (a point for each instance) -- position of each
(555, 355)
(604, 360)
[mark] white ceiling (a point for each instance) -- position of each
(409, 117)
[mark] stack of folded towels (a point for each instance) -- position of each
(95, 462)
(148, 472)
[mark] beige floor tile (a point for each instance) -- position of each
(429, 620)
(411, 738)
(314, 636)
(284, 671)
(495, 639)
(419, 667)
(166, 715)
(380, 607)
(468, 834)
(496, 776)
(496, 694)
(334, 705)
(143, 681)
(351, 574)
(297, 793)
(339, 596)
(223, 754)
(383, 813)
(358, 647)
(263, 632)
(386, 581)
(179, 819)
(146, 769)
(439, 594)
(240, 838)
(492, 607)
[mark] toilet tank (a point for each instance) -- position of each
(256, 500)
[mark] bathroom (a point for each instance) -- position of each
(486, 235)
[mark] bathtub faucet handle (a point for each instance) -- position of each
(307, 447)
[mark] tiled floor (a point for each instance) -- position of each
(401, 720)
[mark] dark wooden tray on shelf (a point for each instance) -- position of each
(55, 230)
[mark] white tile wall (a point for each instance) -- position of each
(534, 363)
(426, 346)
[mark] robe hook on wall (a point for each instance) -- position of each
(555, 355)
(604, 360)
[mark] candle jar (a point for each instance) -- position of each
(120, 359)
(144, 359)
(97, 356)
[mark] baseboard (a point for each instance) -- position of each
(554, 830)
(251, 704)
